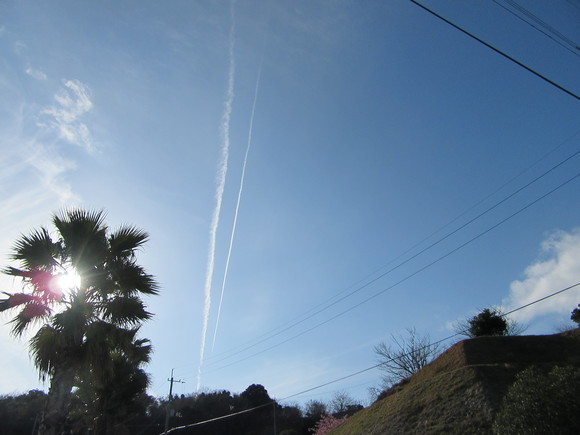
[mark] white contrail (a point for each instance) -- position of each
(221, 182)
(238, 203)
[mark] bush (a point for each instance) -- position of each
(488, 322)
(576, 315)
(541, 402)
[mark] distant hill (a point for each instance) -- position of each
(462, 389)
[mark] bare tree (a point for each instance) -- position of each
(408, 355)
(315, 409)
(340, 402)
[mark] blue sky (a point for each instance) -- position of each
(375, 125)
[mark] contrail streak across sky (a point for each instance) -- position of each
(238, 203)
(221, 182)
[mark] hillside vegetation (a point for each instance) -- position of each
(461, 391)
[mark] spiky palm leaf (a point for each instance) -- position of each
(32, 313)
(46, 349)
(84, 238)
(88, 332)
(125, 311)
(36, 251)
(131, 278)
(126, 240)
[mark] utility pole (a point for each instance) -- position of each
(168, 408)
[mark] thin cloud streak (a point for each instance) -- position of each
(221, 182)
(234, 225)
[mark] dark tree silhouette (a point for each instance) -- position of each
(488, 322)
(20, 415)
(575, 317)
(82, 329)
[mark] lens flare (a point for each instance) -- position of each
(68, 281)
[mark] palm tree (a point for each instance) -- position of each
(75, 328)
(113, 392)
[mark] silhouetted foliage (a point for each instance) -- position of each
(87, 333)
(21, 414)
(575, 317)
(488, 322)
(541, 403)
(314, 410)
(18, 414)
(254, 395)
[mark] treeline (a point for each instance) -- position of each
(21, 414)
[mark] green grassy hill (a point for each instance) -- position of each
(462, 389)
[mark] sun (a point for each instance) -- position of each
(69, 281)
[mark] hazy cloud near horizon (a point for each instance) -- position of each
(557, 268)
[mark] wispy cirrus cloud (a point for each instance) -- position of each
(35, 168)
(559, 268)
(36, 73)
(65, 117)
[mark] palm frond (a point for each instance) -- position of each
(141, 352)
(75, 318)
(41, 281)
(31, 313)
(17, 299)
(84, 237)
(132, 278)
(136, 351)
(46, 348)
(126, 240)
(125, 310)
(12, 271)
(35, 251)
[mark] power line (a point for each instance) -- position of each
(434, 343)
(327, 304)
(563, 41)
(315, 310)
(223, 417)
(375, 295)
(358, 372)
(507, 56)
(356, 290)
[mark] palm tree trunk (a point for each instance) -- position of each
(56, 410)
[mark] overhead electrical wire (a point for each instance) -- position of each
(434, 343)
(293, 324)
(482, 42)
(549, 31)
(356, 290)
(380, 292)
(494, 49)
(488, 45)
(315, 310)
(358, 372)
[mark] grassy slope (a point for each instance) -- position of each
(461, 390)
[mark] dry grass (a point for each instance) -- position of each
(461, 391)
